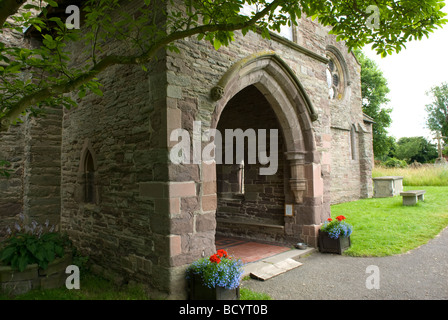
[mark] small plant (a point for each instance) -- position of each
(32, 243)
(4, 172)
(337, 228)
(219, 270)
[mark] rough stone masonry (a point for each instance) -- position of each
(102, 170)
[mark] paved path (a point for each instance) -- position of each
(420, 274)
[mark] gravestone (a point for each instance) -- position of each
(389, 186)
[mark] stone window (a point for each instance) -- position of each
(241, 177)
(336, 74)
(89, 178)
(335, 87)
(353, 145)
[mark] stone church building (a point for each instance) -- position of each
(102, 171)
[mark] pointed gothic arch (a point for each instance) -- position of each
(276, 81)
(87, 173)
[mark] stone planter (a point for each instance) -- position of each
(14, 282)
(198, 291)
(329, 245)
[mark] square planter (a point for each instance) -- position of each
(198, 291)
(329, 245)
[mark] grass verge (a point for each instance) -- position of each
(383, 226)
(96, 288)
(424, 175)
(92, 288)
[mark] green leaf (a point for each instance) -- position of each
(97, 91)
(37, 27)
(7, 253)
(59, 251)
(216, 44)
(22, 262)
(43, 264)
(52, 3)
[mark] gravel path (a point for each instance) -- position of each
(418, 275)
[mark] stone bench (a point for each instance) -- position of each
(411, 197)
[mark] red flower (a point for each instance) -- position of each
(340, 218)
(222, 253)
(329, 219)
(215, 258)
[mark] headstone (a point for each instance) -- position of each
(389, 186)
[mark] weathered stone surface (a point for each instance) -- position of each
(147, 218)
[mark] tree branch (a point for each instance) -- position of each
(70, 85)
(9, 8)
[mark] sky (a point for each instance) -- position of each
(410, 74)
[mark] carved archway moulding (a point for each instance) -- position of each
(242, 68)
(287, 97)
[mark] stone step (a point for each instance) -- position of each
(271, 270)
(275, 265)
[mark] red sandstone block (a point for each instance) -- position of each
(209, 203)
(208, 172)
(182, 189)
(175, 245)
(170, 205)
(209, 188)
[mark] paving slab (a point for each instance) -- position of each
(271, 270)
(276, 264)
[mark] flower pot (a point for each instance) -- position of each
(198, 291)
(330, 245)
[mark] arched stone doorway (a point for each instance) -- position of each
(264, 79)
(251, 204)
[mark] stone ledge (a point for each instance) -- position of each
(251, 230)
(251, 223)
(15, 282)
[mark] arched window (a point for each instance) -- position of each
(335, 86)
(337, 74)
(87, 174)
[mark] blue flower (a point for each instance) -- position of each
(337, 228)
(226, 274)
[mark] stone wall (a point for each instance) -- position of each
(147, 218)
(42, 167)
(125, 228)
(12, 149)
(33, 149)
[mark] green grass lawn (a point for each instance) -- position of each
(92, 288)
(96, 288)
(383, 226)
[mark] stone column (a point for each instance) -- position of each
(366, 161)
(297, 181)
(42, 167)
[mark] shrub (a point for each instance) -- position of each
(395, 163)
(32, 243)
